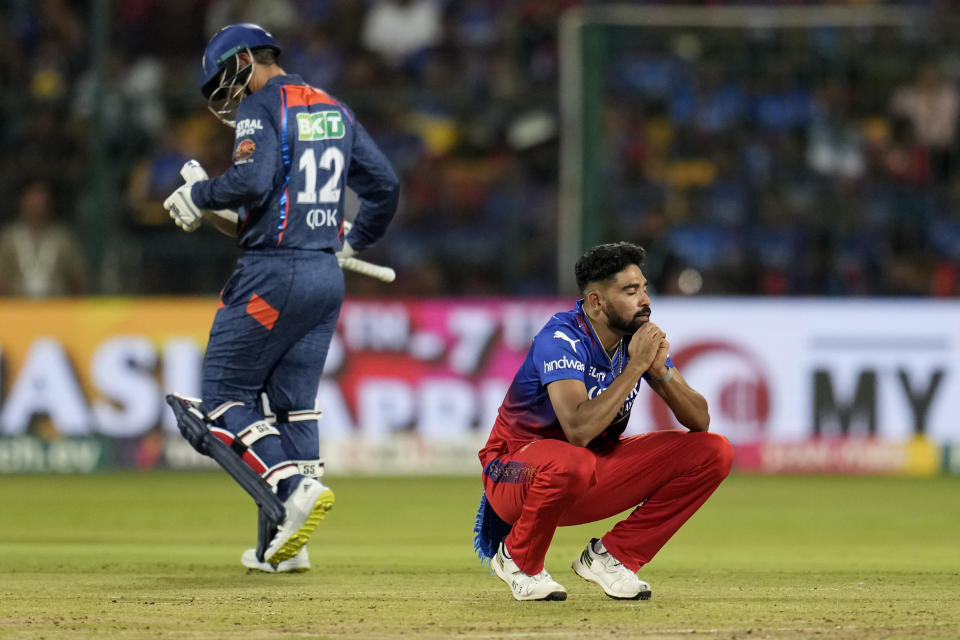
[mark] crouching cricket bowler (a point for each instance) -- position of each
(555, 456)
(296, 150)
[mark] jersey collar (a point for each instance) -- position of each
(587, 326)
(290, 78)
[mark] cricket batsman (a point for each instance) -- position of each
(556, 455)
(296, 149)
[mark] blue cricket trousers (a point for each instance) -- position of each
(271, 334)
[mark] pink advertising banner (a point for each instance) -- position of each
(413, 386)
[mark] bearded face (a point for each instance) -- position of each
(623, 301)
(625, 323)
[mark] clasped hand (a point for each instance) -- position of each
(648, 347)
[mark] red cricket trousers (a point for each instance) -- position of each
(666, 475)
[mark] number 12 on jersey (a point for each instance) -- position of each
(330, 160)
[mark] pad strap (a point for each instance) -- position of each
(310, 468)
(257, 430)
(273, 474)
(300, 416)
(276, 473)
(279, 417)
(241, 442)
(222, 409)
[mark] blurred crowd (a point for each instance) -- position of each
(748, 162)
(819, 162)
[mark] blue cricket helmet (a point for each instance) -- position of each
(226, 44)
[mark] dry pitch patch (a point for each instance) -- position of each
(157, 556)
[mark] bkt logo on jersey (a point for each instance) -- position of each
(563, 363)
(325, 125)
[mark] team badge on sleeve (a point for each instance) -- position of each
(244, 151)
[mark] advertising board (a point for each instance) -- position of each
(413, 386)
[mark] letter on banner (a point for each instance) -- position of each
(46, 385)
(474, 329)
(182, 364)
(448, 408)
(384, 405)
(336, 421)
(123, 370)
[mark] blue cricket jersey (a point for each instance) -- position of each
(567, 348)
(296, 147)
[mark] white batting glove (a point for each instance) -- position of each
(182, 209)
(345, 252)
(192, 171)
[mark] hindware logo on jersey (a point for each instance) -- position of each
(325, 125)
(563, 363)
(248, 127)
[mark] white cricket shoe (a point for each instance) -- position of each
(306, 507)
(296, 564)
(596, 564)
(526, 587)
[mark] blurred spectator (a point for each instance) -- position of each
(166, 29)
(39, 257)
(835, 143)
(316, 51)
(931, 103)
(276, 16)
(904, 158)
(400, 30)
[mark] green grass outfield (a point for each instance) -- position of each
(156, 555)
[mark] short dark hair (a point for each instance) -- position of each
(605, 261)
(265, 55)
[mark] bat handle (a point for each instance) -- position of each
(384, 274)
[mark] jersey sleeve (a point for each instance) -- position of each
(376, 184)
(558, 356)
(256, 161)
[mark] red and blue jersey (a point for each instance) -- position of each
(567, 348)
(296, 149)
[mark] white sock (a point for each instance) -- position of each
(598, 547)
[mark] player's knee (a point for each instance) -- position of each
(717, 453)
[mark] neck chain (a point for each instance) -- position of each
(617, 359)
(618, 355)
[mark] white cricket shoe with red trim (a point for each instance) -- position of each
(525, 587)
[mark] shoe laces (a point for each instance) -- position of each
(611, 564)
(543, 576)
